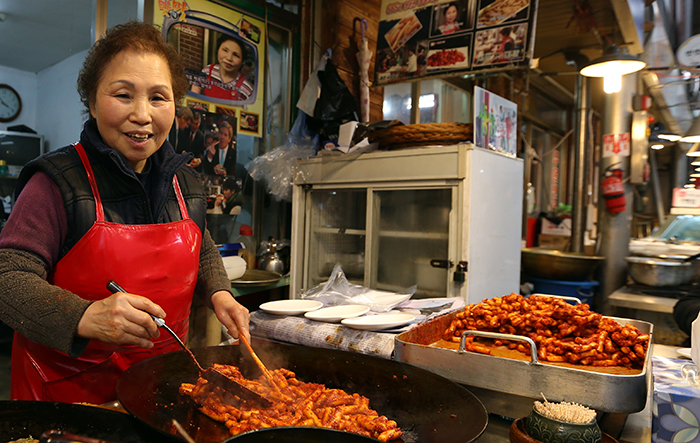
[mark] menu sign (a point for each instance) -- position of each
(430, 38)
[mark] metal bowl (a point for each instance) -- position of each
(660, 272)
(557, 265)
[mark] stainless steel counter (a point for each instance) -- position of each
(626, 297)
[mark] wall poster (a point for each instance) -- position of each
(495, 122)
(223, 51)
(430, 38)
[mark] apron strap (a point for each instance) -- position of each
(99, 210)
(180, 198)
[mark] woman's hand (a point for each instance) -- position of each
(234, 316)
(122, 319)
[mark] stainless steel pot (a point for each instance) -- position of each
(660, 272)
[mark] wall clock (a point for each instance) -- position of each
(10, 103)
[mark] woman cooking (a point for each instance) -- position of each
(119, 205)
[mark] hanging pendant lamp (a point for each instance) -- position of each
(612, 65)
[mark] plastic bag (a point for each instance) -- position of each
(339, 291)
(335, 105)
(276, 167)
(312, 90)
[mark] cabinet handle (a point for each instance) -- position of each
(445, 264)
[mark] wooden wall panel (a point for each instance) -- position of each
(342, 34)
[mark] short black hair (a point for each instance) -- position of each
(230, 184)
(223, 38)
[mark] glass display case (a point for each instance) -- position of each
(446, 219)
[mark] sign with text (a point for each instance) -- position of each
(223, 52)
(686, 198)
(432, 38)
(616, 145)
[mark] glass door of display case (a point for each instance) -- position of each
(412, 240)
(388, 239)
(337, 234)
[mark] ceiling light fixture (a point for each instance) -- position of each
(693, 134)
(658, 130)
(694, 150)
(657, 146)
(612, 65)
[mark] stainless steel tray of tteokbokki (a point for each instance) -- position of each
(505, 376)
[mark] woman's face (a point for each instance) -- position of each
(224, 137)
(230, 57)
(134, 105)
(451, 14)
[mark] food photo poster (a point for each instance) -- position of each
(431, 38)
(223, 51)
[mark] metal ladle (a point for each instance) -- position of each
(209, 374)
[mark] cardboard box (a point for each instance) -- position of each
(558, 242)
(676, 408)
(550, 228)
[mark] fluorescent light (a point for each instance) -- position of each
(612, 83)
(657, 147)
(693, 134)
(693, 151)
(669, 137)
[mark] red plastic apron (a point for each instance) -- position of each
(158, 261)
(213, 90)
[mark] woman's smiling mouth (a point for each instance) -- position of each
(139, 137)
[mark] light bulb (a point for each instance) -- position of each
(612, 83)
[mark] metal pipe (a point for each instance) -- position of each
(615, 228)
(656, 187)
(578, 214)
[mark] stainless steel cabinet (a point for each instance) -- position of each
(447, 219)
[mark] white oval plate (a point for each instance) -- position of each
(378, 322)
(684, 352)
(290, 307)
(334, 314)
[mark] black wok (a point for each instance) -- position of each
(21, 419)
(427, 407)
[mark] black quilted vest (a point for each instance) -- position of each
(123, 197)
